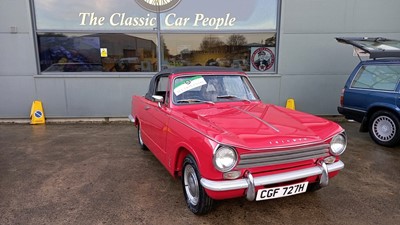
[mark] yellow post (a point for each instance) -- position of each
(290, 104)
(37, 113)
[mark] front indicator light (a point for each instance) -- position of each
(231, 175)
(330, 159)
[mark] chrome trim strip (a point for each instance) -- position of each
(227, 185)
(359, 110)
(131, 118)
(373, 90)
(259, 119)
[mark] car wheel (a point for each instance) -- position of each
(139, 137)
(314, 187)
(384, 128)
(196, 198)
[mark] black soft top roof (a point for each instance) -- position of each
(376, 47)
(185, 69)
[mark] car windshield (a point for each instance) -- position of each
(212, 89)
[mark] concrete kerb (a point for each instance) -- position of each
(98, 120)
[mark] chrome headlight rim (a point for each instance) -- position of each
(217, 158)
(337, 140)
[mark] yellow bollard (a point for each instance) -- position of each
(290, 104)
(37, 113)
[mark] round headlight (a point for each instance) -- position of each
(225, 158)
(338, 144)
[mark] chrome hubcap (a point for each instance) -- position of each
(191, 185)
(384, 128)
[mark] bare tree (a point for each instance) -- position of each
(236, 40)
(210, 43)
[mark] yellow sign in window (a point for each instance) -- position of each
(103, 52)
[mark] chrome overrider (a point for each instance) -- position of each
(249, 182)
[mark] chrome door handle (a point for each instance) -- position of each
(146, 107)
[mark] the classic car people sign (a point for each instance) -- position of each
(142, 14)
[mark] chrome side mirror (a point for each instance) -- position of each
(157, 98)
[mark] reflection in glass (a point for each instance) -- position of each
(223, 50)
(62, 52)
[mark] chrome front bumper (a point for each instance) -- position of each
(250, 182)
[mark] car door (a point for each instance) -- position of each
(156, 120)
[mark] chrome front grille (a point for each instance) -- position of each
(282, 156)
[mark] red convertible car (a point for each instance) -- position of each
(208, 126)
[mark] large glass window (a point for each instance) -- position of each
(97, 36)
(64, 52)
(250, 52)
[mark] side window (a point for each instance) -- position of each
(377, 77)
(162, 87)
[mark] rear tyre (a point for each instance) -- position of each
(384, 128)
(139, 137)
(196, 198)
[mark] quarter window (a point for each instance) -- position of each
(377, 77)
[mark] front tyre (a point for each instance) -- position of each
(139, 137)
(384, 128)
(195, 195)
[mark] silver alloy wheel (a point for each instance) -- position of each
(191, 185)
(384, 128)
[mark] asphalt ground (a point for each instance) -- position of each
(95, 173)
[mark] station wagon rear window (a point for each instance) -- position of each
(377, 77)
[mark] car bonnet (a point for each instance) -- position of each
(259, 126)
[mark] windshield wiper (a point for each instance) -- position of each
(232, 96)
(190, 100)
(227, 96)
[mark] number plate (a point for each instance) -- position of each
(278, 192)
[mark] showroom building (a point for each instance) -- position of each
(85, 59)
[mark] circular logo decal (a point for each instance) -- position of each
(262, 59)
(38, 114)
(158, 5)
